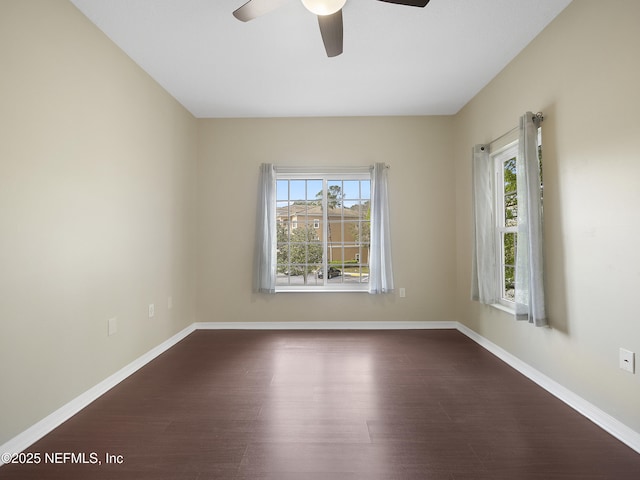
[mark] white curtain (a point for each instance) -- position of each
(529, 295)
(380, 266)
(484, 267)
(265, 256)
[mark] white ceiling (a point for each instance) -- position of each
(397, 60)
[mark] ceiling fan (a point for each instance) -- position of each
(329, 14)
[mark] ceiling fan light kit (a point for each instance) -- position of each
(324, 7)
(329, 14)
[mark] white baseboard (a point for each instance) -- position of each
(34, 433)
(603, 420)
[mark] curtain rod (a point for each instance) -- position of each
(537, 116)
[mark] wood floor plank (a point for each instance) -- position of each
(339, 405)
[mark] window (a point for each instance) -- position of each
(506, 207)
(507, 192)
(323, 231)
(506, 221)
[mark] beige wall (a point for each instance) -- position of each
(97, 165)
(422, 204)
(583, 72)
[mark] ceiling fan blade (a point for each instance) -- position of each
(331, 30)
(410, 3)
(256, 8)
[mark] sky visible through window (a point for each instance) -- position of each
(308, 190)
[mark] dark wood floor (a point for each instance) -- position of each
(333, 405)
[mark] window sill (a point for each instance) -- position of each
(504, 308)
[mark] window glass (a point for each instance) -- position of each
(323, 232)
(507, 220)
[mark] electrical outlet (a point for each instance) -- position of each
(112, 326)
(152, 310)
(627, 360)
(403, 292)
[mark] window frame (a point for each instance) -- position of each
(326, 176)
(509, 150)
(500, 157)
